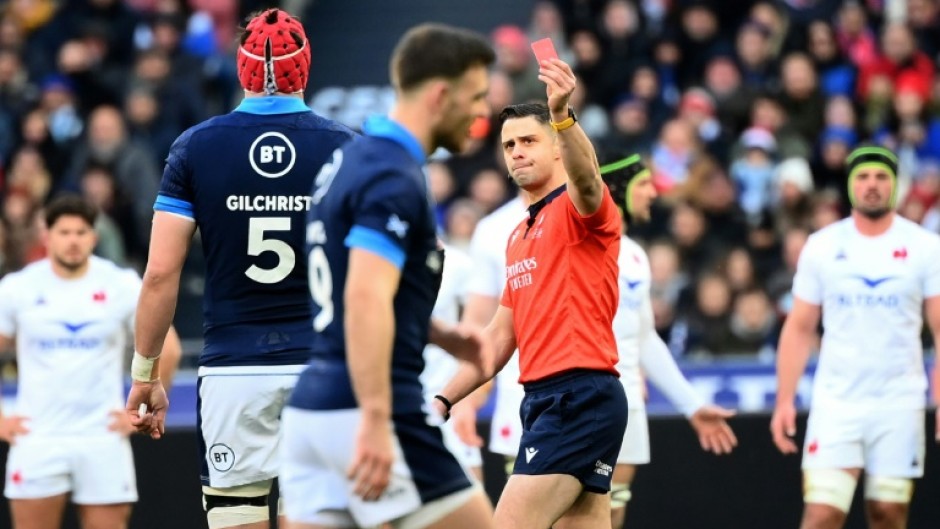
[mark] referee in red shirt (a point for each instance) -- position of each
(558, 307)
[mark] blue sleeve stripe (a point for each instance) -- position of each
(173, 205)
(377, 243)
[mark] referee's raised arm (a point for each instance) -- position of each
(577, 154)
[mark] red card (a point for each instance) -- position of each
(544, 50)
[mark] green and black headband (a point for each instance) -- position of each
(873, 157)
(621, 176)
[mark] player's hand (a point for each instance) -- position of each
(154, 396)
(475, 349)
(371, 464)
(12, 426)
(464, 418)
(121, 423)
(559, 82)
(714, 434)
(783, 427)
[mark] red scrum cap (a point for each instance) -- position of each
(274, 55)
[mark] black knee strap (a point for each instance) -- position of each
(234, 501)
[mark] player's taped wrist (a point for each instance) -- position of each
(142, 368)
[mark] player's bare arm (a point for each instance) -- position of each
(932, 315)
(463, 342)
(170, 357)
(371, 284)
(796, 344)
(170, 239)
(577, 154)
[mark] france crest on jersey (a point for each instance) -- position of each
(372, 195)
(245, 178)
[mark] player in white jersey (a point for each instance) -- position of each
(639, 347)
(484, 289)
(868, 278)
(71, 315)
(439, 365)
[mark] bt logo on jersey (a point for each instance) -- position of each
(272, 155)
(269, 153)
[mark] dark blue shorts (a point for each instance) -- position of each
(573, 423)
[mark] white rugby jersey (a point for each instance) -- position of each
(71, 336)
(638, 345)
(488, 248)
(872, 291)
(439, 365)
(634, 318)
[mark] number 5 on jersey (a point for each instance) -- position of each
(258, 244)
(257, 226)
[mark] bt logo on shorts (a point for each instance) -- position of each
(222, 457)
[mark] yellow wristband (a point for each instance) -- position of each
(564, 124)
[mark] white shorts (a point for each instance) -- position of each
(885, 443)
(635, 449)
(97, 470)
(315, 455)
(239, 420)
(506, 426)
(468, 456)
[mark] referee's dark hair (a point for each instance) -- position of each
(430, 51)
(523, 110)
(71, 205)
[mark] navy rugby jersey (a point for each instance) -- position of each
(245, 178)
(372, 196)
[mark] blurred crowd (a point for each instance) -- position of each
(745, 111)
(92, 94)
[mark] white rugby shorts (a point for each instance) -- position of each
(427, 482)
(96, 469)
(468, 456)
(635, 449)
(239, 420)
(885, 443)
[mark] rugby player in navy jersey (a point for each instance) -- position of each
(359, 449)
(243, 179)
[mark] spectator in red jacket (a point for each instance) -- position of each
(899, 57)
